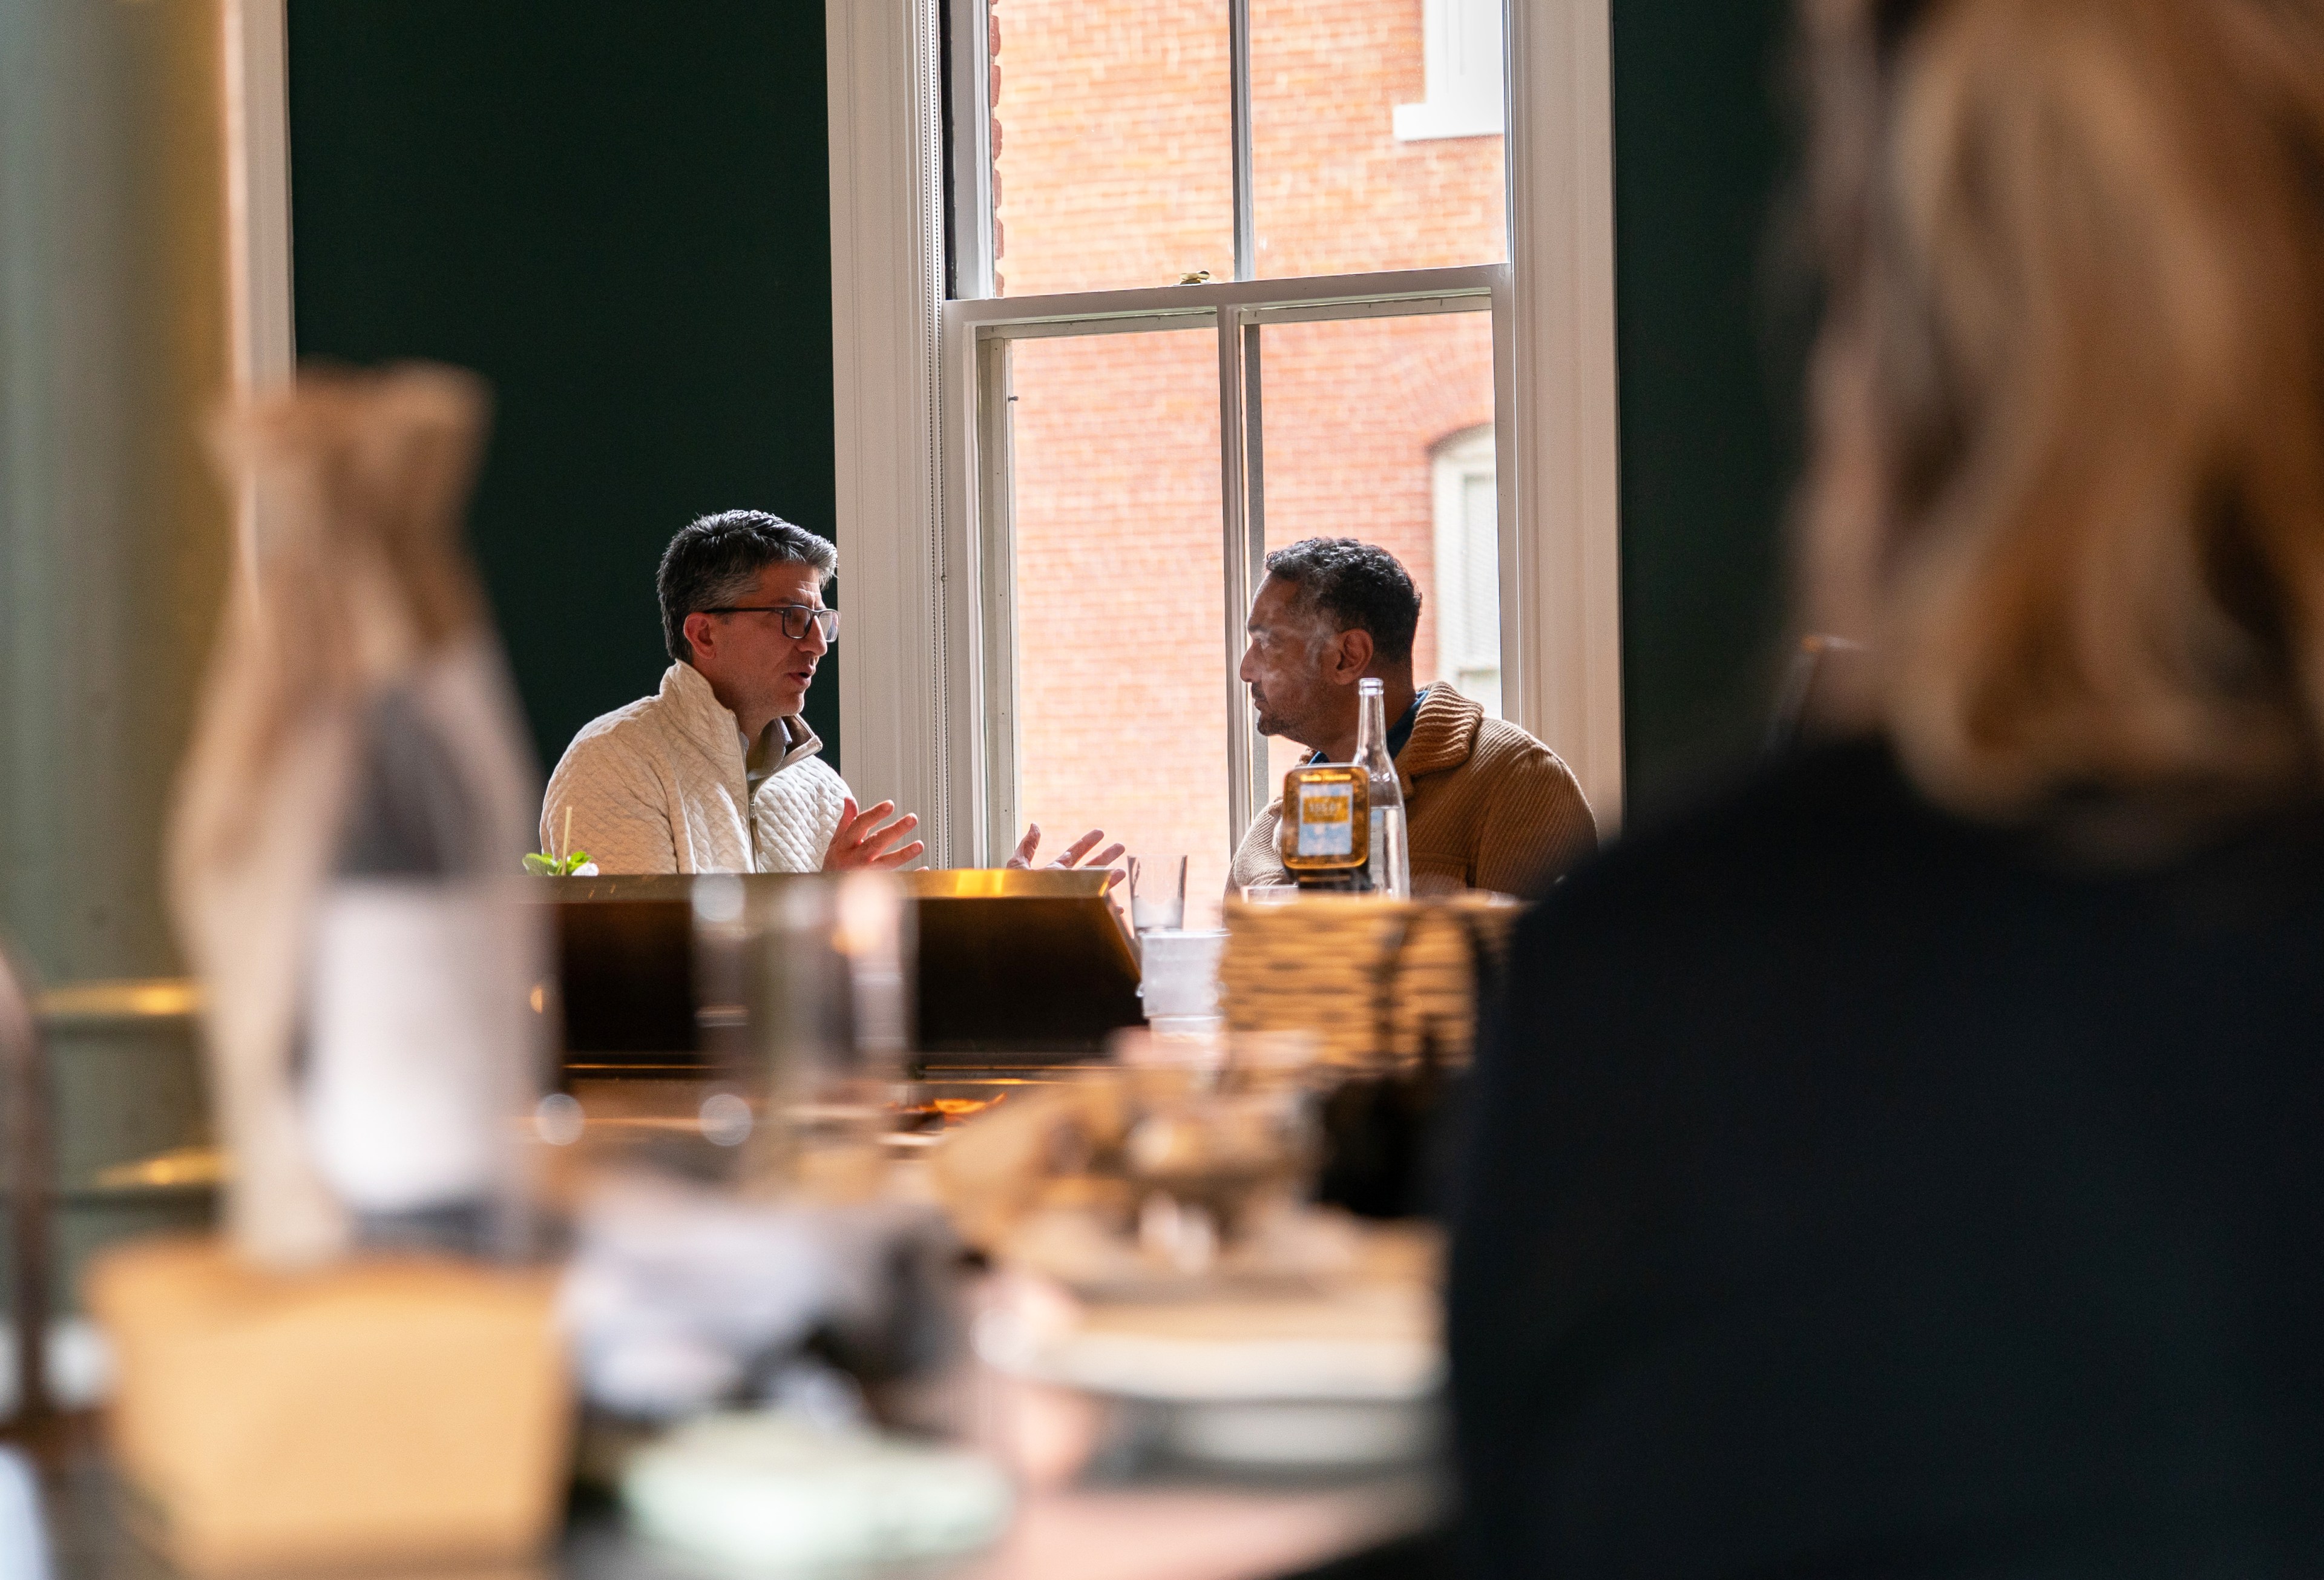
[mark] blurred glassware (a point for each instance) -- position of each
(1158, 894)
(806, 995)
(1179, 980)
(1315, 1343)
(1209, 1162)
(77, 1369)
(347, 832)
(770, 1492)
(26, 1164)
(681, 1297)
(1203, 1047)
(23, 1543)
(420, 1048)
(344, 858)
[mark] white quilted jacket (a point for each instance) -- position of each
(661, 786)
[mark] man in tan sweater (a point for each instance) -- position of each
(1487, 805)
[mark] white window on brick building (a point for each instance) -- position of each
(1461, 44)
(1469, 566)
(1151, 286)
(1136, 445)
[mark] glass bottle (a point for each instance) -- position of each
(1391, 861)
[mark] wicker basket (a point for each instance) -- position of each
(1373, 980)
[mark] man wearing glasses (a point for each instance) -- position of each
(717, 771)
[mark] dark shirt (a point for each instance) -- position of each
(1856, 1191)
(1398, 733)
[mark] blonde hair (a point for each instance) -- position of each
(2069, 397)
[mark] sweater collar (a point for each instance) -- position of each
(709, 726)
(803, 743)
(1439, 732)
(1398, 733)
(1443, 732)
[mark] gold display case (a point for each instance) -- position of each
(1014, 967)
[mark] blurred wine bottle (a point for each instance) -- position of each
(349, 837)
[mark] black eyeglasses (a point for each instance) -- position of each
(797, 617)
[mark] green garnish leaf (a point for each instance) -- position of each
(542, 865)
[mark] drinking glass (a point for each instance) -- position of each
(806, 980)
(1158, 894)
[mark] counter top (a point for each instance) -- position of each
(1159, 1530)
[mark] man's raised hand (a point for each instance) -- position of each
(862, 842)
(1028, 846)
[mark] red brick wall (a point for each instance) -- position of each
(1115, 170)
(1112, 124)
(1121, 667)
(1332, 190)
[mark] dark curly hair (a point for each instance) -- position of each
(715, 558)
(1359, 586)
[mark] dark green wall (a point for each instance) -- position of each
(619, 214)
(1709, 336)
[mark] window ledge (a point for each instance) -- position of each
(1435, 118)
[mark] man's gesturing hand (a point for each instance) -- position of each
(1031, 844)
(862, 842)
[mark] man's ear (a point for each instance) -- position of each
(698, 629)
(1351, 656)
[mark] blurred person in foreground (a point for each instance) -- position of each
(1487, 805)
(1910, 1166)
(718, 772)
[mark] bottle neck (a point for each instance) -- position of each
(1371, 725)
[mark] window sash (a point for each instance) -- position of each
(978, 492)
(913, 711)
(981, 490)
(969, 174)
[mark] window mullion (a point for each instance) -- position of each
(996, 479)
(1253, 560)
(1243, 768)
(1517, 564)
(969, 116)
(1246, 227)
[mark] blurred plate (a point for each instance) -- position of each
(1379, 1345)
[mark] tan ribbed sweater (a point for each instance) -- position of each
(1487, 807)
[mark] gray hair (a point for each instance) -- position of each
(716, 560)
(1354, 586)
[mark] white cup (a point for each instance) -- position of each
(1179, 973)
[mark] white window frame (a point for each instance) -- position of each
(1464, 71)
(979, 491)
(1454, 463)
(924, 584)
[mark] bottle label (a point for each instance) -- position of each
(1327, 823)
